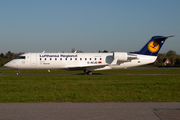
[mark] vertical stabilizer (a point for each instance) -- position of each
(153, 46)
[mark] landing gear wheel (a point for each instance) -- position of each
(89, 72)
(17, 72)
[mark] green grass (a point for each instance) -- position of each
(103, 86)
(120, 71)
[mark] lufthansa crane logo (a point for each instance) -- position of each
(153, 46)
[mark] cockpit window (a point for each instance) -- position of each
(21, 57)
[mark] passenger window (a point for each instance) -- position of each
(50, 58)
(66, 59)
(55, 58)
(85, 58)
(94, 58)
(60, 58)
(75, 58)
(80, 58)
(40, 58)
(70, 58)
(100, 58)
(44, 58)
(89, 58)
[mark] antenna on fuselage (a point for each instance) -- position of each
(43, 51)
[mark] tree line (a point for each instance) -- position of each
(171, 55)
(4, 58)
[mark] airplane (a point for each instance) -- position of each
(89, 62)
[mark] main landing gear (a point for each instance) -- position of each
(88, 72)
(17, 72)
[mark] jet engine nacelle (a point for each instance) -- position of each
(120, 56)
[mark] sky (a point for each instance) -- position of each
(87, 25)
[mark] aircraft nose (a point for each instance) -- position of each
(7, 65)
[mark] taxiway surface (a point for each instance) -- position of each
(91, 111)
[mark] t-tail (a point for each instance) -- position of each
(153, 46)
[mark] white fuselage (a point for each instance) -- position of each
(88, 61)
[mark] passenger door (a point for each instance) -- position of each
(33, 59)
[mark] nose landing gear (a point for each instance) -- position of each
(17, 72)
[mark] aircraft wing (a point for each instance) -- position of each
(87, 67)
